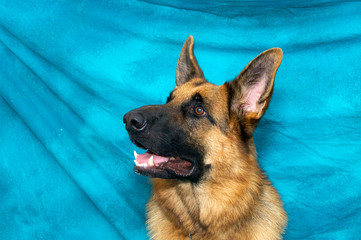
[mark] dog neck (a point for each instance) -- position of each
(202, 208)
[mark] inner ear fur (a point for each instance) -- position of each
(253, 87)
(187, 67)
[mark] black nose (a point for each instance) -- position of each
(136, 120)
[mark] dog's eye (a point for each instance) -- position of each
(199, 111)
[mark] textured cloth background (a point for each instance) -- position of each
(69, 70)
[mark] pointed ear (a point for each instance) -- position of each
(187, 67)
(252, 89)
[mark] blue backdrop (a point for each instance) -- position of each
(69, 70)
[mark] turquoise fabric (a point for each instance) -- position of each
(69, 70)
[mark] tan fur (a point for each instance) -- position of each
(234, 200)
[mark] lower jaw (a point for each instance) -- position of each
(164, 173)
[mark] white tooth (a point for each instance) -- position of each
(135, 154)
(171, 158)
(139, 164)
(150, 161)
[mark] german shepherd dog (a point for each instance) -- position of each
(207, 183)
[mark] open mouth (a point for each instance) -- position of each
(154, 165)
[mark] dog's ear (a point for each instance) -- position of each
(252, 89)
(187, 67)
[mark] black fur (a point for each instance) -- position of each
(163, 135)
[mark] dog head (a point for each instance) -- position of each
(201, 122)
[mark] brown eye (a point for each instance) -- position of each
(199, 110)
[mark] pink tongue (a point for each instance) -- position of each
(143, 158)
